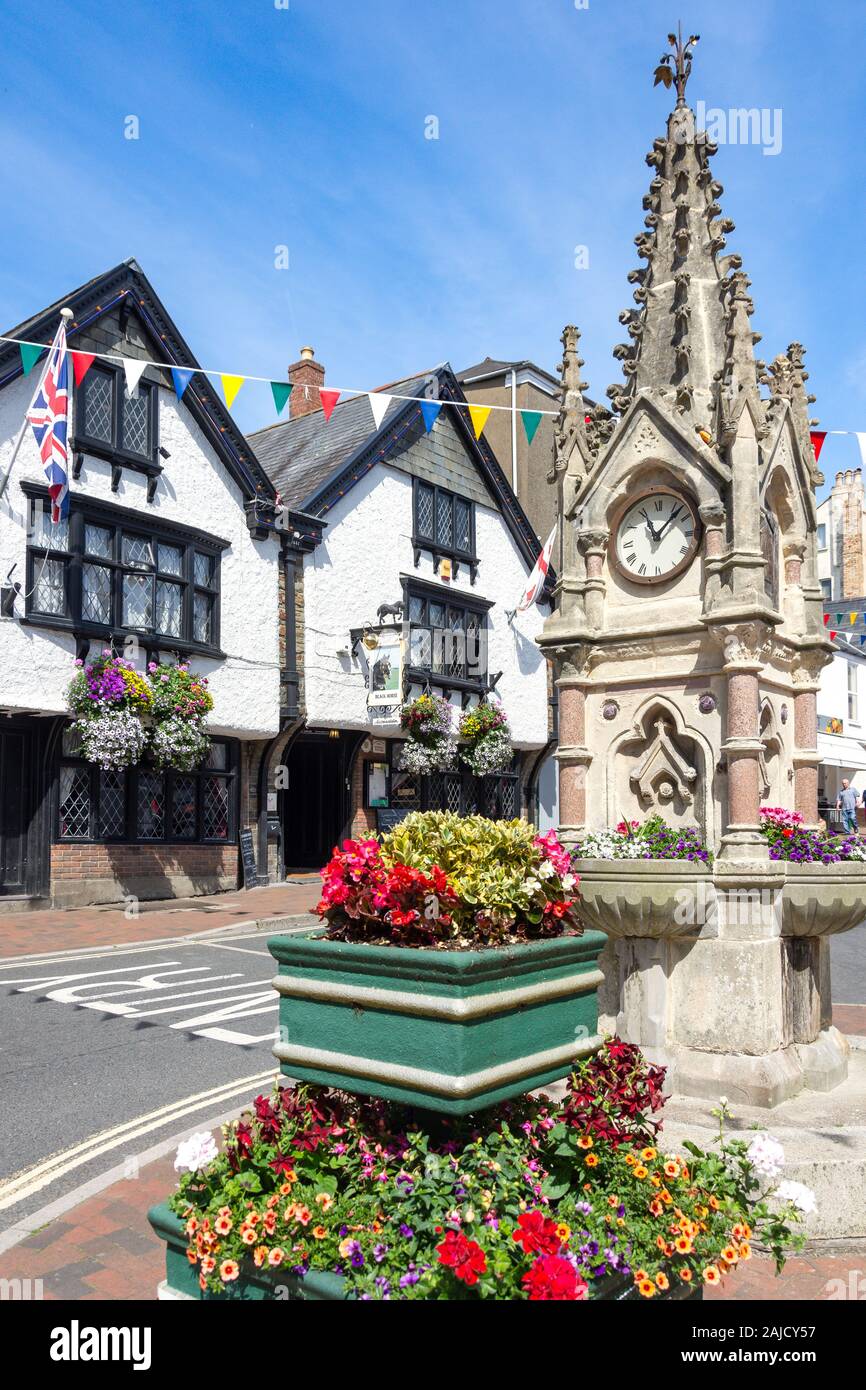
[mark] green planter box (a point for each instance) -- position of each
(256, 1286)
(451, 1031)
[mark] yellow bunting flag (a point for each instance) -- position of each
(852, 617)
(231, 386)
(478, 414)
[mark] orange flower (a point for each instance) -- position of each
(248, 1234)
(223, 1224)
(270, 1222)
(683, 1245)
(260, 1254)
(640, 1171)
(738, 1232)
(660, 1242)
(712, 1275)
(324, 1200)
(656, 1207)
(202, 1283)
(320, 1232)
(646, 1287)
(745, 1251)
(630, 1160)
(272, 1200)
(666, 1196)
(591, 1160)
(191, 1226)
(192, 1256)
(229, 1270)
(655, 1180)
(563, 1231)
(648, 1154)
(730, 1254)
(276, 1256)
(613, 1201)
(640, 1275)
(714, 1203)
(685, 1274)
(584, 1142)
(672, 1168)
(208, 1264)
(662, 1281)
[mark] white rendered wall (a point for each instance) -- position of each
(367, 546)
(36, 664)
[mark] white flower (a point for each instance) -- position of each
(545, 869)
(723, 1100)
(800, 1196)
(766, 1155)
(195, 1153)
(568, 882)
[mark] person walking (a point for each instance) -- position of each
(847, 804)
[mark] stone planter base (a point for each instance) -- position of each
(255, 1286)
(451, 1031)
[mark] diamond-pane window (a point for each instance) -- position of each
(425, 511)
(98, 403)
(48, 534)
(203, 569)
(456, 643)
(462, 534)
(136, 422)
(170, 560)
(169, 606)
(216, 808)
(150, 811)
(421, 648)
(444, 532)
(416, 609)
(437, 614)
(137, 600)
(74, 803)
(509, 799)
(112, 805)
(202, 618)
(96, 593)
(452, 794)
(436, 791)
(183, 808)
(97, 541)
(49, 589)
(137, 550)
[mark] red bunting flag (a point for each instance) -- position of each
(832, 636)
(81, 364)
(817, 437)
(329, 400)
(826, 619)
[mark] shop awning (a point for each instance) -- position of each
(837, 750)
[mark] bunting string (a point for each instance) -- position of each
(231, 383)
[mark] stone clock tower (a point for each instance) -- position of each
(687, 644)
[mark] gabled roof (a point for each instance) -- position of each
(98, 297)
(313, 462)
(494, 366)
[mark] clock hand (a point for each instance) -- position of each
(671, 518)
(650, 527)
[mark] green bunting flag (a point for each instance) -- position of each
(531, 420)
(839, 619)
(281, 391)
(30, 353)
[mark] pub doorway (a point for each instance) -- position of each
(315, 804)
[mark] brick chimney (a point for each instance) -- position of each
(305, 372)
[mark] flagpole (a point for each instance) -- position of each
(66, 315)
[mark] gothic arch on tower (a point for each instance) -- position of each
(667, 765)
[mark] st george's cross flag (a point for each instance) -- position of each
(49, 419)
(535, 582)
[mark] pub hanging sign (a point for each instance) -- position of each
(383, 651)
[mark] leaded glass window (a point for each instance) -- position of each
(202, 618)
(151, 805)
(216, 808)
(112, 805)
(99, 405)
(48, 534)
(462, 530)
(169, 608)
(74, 803)
(136, 422)
(96, 593)
(137, 550)
(446, 639)
(424, 511)
(137, 601)
(111, 419)
(203, 569)
(98, 541)
(49, 590)
(170, 560)
(183, 808)
(444, 528)
(443, 521)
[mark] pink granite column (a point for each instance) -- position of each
(571, 756)
(806, 754)
(744, 795)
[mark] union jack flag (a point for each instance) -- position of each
(49, 419)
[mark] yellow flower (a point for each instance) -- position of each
(563, 1231)
(712, 1275)
(591, 1160)
(646, 1287)
(319, 1232)
(648, 1154)
(640, 1171)
(731, 1254)
(584, 1142)
(745, 1251)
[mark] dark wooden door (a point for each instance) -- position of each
(13, 813)
(313, 802)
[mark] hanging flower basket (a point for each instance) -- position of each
(432, 743)
(179, 743)
(175, 690)
(113, 738)
(487, 740)
(109, 682)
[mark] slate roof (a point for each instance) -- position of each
(492, 365)
(300, 455)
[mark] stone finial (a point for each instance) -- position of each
(572, 453)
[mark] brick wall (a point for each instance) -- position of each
(97, 873)
(363, 819)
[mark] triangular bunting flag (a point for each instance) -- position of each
(133, 370)
(817, 437)
(30, 354)
(826, 619)
(81, 364)
(378, 404)
(531, 420)
(852, 618)
(430, 411)
(478, 415)
(181, 376)
(329, 400)
(281, 390)
(838, 617)
(231, 385)
(832, 636)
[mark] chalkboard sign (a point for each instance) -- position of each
(248, 858)
(386, 820)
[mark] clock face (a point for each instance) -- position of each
(657, 537)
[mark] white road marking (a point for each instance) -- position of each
(239, 1039)
(24, 1184)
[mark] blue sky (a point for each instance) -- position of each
(304, 127)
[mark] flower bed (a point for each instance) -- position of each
(533, 1201)
(789, 840)
(650, 839)
(439, 879)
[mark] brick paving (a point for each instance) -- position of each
(66, 929)
(104, 1249)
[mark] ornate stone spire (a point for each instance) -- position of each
(579, 431)
(691, 331)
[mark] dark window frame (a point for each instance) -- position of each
(131, 835)
(487, 796)
(434, 544)
(115, 450)
(86, 511)
(451, 600)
